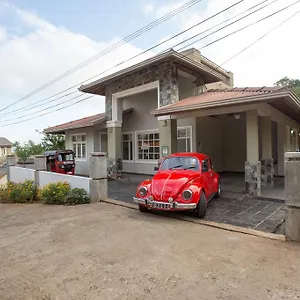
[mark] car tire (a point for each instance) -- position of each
(218, 194)
(143, 209)
(201, 206)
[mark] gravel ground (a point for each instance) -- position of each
(102, 251)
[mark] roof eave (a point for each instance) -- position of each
(232, 101)
(95, 87)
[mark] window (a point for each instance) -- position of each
(184, 139)
(103, 142)
(148, 145)
(205, 166)
(181, 163)
(127, 146)
(79, 145)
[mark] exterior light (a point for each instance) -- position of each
(292, 131)
(237, 116)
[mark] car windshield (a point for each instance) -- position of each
(180, 163)
(65, 157)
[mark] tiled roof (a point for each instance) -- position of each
(223, 94)
(84, 122)
(5, 142)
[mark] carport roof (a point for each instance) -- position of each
(281, 98)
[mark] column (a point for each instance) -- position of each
(292, 196)
(98, 175)
(168, 94)
(267, 162)
(280, 147)
(252, 165)
(167, 136)
(11, 160)
(114, 141)
(287, 139)
(40, 164)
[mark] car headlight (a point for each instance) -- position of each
(62, 166)
(187, 195)
(143, 191)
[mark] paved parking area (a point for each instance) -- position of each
(232, 209)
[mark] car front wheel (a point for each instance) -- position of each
(142, 208)
(201, 206)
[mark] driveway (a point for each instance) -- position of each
(232, 208)
(102, 251)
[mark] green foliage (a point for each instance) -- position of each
(49, 142)
(77, 196)
(25, 192)
(53, 142)
(55, 193)
(291, 83)
(60, 193)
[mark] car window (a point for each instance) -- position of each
(205, 165)
(180, 163)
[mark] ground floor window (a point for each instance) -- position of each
(127, 144)
(184, 140)
(79, 145)
(103, 142)
(148, 145)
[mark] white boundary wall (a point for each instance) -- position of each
(18, 174)
(42, 178)
(74, 181)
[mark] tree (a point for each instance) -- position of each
(291, 83)
(53, 142)
(22, 152)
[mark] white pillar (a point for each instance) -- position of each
(267, 162)
(252, 136)
(114, 141)
(252, 165)
(281, 140)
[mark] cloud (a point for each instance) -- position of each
(37, 52)
(148, 8)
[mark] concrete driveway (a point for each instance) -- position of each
(231, 208)
(102, 251)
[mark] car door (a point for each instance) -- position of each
(207, 177)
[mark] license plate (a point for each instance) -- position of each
(159, 205)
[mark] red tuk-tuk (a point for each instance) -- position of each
(61, 161)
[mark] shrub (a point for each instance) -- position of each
(55, 193)
(25, 192)
(77, 196)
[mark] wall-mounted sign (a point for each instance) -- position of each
(164, 151)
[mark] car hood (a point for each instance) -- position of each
(166, 184)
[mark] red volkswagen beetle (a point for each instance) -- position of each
(184, 181)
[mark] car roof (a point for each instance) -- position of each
(200, 156)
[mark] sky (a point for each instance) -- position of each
(40, 40)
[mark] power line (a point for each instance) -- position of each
(198, 40)
(260, 38)
(147, 50)
(110, 48)
(264, 18)
(47, 113)
(249, 25)
(49, 107)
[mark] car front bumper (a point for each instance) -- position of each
(164, 205)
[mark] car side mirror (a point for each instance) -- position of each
(156, 168)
